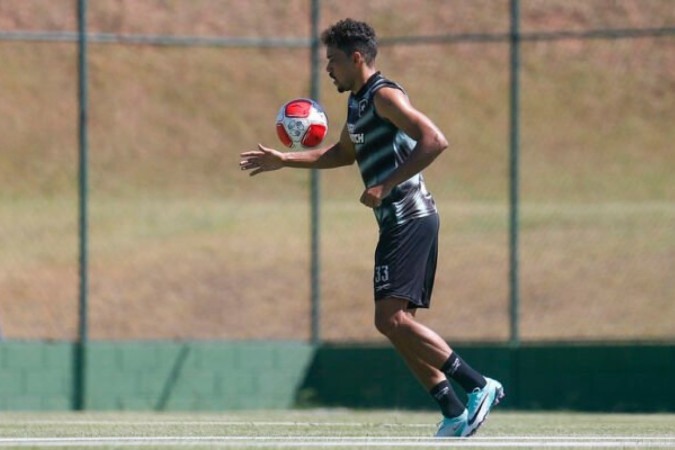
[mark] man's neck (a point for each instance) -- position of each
(365, 76)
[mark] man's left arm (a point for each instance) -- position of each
(393, 105)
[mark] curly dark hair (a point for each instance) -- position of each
(349, 35)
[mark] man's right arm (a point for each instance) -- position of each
(266, 159)
(339, 154)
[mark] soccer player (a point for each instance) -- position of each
(392, 142)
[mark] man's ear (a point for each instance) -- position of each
(357, 58)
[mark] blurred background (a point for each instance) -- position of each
(183, 245)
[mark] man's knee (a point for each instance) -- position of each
(389, 323)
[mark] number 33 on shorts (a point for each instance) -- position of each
(381, 274)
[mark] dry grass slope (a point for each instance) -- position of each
(184, 246)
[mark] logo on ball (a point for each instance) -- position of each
(301, 124)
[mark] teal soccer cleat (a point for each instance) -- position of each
(455, 427)
(480, 402)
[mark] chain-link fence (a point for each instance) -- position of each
(182, 245)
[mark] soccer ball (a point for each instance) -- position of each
(301, 124)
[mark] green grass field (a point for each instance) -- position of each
(329, 429)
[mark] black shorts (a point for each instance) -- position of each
(405, 261)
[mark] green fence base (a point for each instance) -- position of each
(218, 376)
(582, 377)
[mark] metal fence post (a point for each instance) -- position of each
(315, 180)
(514, 181)
(80, 355)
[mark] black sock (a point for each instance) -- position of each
(447, 399)
(462, 373)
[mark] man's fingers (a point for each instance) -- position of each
(258, 161)
(260, 152)
(370, 200)
(248, 164)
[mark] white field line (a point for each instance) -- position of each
(347, 442)
(251, 423)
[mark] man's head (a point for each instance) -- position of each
(351, 36)
(350, 45)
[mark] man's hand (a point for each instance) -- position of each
(262, 160)
(372, 197)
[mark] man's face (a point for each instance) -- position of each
(340, 68)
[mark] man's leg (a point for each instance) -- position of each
(423, 350)
(430, 358)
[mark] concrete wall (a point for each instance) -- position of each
(154, 375)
